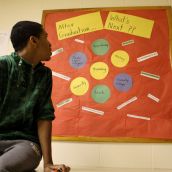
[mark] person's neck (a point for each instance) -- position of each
(29, 58)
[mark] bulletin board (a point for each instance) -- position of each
(112, 73)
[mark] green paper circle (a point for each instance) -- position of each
(100, 93)
(100, 47)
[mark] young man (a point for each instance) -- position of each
(26, 109)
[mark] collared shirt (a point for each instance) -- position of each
(25, 98)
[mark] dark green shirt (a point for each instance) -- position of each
(25, 98)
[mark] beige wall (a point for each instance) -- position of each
(75, 154)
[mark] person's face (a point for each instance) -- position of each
(44, 47)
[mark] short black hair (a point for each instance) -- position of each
(21, 32)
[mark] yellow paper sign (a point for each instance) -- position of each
(79, 86)
(129, 24)
(99, 70)
(120, 58)
(79, 25)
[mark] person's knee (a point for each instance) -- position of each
(28, 159)
(31, 155)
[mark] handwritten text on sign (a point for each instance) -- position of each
(129, 24)
(79, 25)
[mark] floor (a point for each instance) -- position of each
(114, 170)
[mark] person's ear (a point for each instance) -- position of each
(33, 41)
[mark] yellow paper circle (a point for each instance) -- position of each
(79, 86)
(99, 70)
(120, 58)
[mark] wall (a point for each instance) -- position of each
(77, 154)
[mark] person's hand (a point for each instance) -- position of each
(56, 168)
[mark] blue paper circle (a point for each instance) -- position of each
(123, 82)
(78, 60)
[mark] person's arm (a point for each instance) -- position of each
(44, 133)
(45, 115)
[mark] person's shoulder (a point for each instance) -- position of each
(5, 60)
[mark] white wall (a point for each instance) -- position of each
(78, 154)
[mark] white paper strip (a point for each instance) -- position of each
(153, 97)
(60, 50)
(92, 110)
(127, 102)
(139, 117)
(148, 56)
(80, 41)
(128, 42)
(150, 75)
(64, 102)
(59, 75)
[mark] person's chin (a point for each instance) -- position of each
(49, 56)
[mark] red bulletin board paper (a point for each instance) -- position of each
(72, 121)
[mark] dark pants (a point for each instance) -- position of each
(19, 156)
